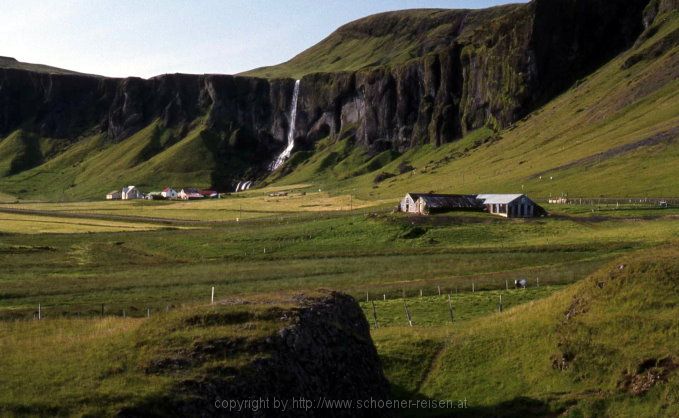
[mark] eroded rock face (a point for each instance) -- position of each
(493, 75)
(66, 105)
(522, 59)
(323, 351)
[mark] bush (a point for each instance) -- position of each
(405, 167)
(382, 176)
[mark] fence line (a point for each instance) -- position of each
(141, 309)
(593, 201)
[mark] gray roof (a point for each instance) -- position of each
(492, 199)
(444, 201)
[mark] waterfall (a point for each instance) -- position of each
(244, 185)
(291, 132)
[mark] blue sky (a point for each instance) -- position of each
(146, 38)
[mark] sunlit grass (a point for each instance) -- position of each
(37, 224)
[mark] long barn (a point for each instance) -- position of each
(507, 205)
(426, 203)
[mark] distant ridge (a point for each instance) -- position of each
(14, 64)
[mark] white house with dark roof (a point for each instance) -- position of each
(169, 193)
(131, 192)
(511, 205)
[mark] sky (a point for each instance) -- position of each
(120, 38)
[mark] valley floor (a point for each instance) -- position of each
(76, 263)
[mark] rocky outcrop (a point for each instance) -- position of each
(324, 353)
(658, 7)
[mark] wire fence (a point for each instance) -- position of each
(483, 285)
(643, 202)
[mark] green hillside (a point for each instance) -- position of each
(384, 39)
(614, 133)
(606, 346)
(13, 63)
(152, 158)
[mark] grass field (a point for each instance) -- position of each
(35, 224)
(246, 205)
(169, 271)
(355, 252)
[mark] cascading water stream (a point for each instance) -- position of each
(291, 132)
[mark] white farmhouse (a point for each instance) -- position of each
(131, 192)
(169, 193)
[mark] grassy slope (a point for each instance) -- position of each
(117, 362)
(612, 107)
(93, 166)
(11, 63)
(620, 318)
(390, 38)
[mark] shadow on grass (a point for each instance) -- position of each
(521, 406)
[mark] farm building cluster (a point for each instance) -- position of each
(168, 193)
(507, 205)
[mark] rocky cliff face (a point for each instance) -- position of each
(324, 352)
(493, 74)
(516, 62)
(67, 106)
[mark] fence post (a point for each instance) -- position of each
(212, 299)
(506, 284)
(420, 292)
(537, 280)
(410, 318)
(39, 312)
(473, 289)
(148, 312)
(439, 288)
(500, 305)
(377, 325)
(367, 296)
(450, 310)
(384, 296)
